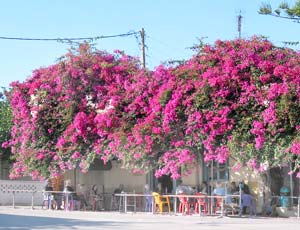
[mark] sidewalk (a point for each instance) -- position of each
(25, 219)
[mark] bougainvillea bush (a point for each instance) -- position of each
(241, 100)
(67, 114)
(236, 99)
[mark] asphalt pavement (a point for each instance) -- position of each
(23, 218)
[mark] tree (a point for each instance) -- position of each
(283, 11)
(237, 99)
(5, 125)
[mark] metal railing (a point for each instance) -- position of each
(124, 197)
(65, 194)
(14, 191)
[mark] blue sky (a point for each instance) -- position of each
(171, 27)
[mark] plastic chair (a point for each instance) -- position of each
(184, 205)
(218, 205)
(161, 201)
(200, 203)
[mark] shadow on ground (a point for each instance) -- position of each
(35, 222)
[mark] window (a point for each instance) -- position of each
(216, 171)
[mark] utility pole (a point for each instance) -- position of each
(142, 32)
(240, 24)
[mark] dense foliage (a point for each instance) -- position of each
(5, 124)
(236, 98)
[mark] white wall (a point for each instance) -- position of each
(194, 178)
(108, 180)
(117, 175)
(21, 197)
(111, 179)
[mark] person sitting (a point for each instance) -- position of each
(97, 199)
(119, 189)
(219, 190)
(244, 187)
(204, 187)
(271, 209)
(69, 195)
(48, 195)
(233, 188)
(59, 196)
(115, 200)
(81, 197)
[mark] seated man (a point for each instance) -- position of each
(232, 193)
(96, 199)
(219, 190)
(115, 200)
(48, 196)
(69, 196)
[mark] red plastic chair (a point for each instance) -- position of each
(201, 203)
(184, 205)
(218, 204)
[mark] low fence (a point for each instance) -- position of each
(23, 192)
(226, 204)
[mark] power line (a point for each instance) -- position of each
(70, 39)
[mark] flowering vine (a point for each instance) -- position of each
(235, 99)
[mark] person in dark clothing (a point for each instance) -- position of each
(244, 187)
(48, 196)
(69, 196)
(81, 197)
(59, 197)
(233, 188)
(204, 187)
(119, 189)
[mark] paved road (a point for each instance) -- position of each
(25, 219)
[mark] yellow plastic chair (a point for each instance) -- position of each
(160, 201)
